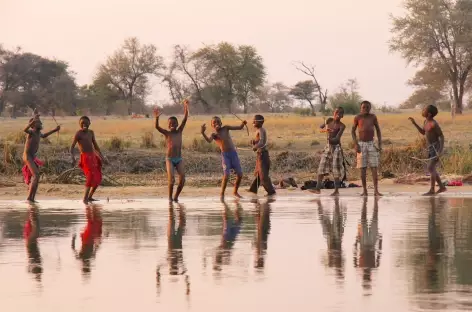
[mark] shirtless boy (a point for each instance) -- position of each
(262, 161)
(174, 159)
(435, 139)
(332, 158)
(31, 167)
(367, 152)
(91, 158)
(229, 156)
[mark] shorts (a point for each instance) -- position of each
(175, 160)
(433, 150)
(332, 161)
(230, 160)
(369, 155)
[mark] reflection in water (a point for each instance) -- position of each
(435, 246)
(90, 238)
(231, 227)
(368, 245)
(175, 256)
(333, 231)
(263, 211)
(31, 235)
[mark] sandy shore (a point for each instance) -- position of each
(59, 191)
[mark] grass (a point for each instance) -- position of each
(295, 143)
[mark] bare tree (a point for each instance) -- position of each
(310, 71)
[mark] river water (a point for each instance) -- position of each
(402, 253)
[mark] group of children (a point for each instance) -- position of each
(332, 160)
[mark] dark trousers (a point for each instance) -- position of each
(262, 174)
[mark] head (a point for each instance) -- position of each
(38, 125)
(258, 121)
(84, 122)
(173, 123)
(366, 106)
(338, 113)
(216, 123)
(430, 111)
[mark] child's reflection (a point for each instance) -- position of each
(90, 238)
(368, 245)
(31, 235)
(231, 229)
(435, 244)
(263, 211)
(333, 231)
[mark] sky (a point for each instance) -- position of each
(343, 39)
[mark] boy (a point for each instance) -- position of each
(31, 167)
(262, 160)
(91, 158)
(435, 140)
(332, 158)
(229, 156)
(173, 138)
(367, 152)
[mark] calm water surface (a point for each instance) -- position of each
(393, 254)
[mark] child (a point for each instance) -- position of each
(435, 140)
(91, 158)
(229, 156)
(332, 158)
(31, 167)
(173, 138)
(262, 160)
(367, 152)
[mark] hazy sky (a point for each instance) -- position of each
(342, 38)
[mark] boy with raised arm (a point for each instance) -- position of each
(229, 156)
(91, 158)
(367, 152)
(263, 160)
(31, 163)
(332, 158)
(435, 139)
(173, 138)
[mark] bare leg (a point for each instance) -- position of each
(34, 178)
(224, 183)
(170, 178)
(364, 181)
(86, 195)
(375, 179)
(92, 191)
(442, 188)
(181, 172)
(336, 187)
(239, 177)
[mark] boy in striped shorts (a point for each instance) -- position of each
(367, 152)
(332, 158)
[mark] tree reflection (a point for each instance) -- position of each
(333, 231)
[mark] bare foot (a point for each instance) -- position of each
(378, 194)
(32, 201)
(85, 201)
(222, 197)
(441, 190)
(314, 191)
(364, 194)
(335, 193)
(429, 193)
(170, 199)
(176, 199)
(236, 194)
(93, 199)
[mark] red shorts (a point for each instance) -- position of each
(92, 167)
(27, 174)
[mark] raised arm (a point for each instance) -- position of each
(377, 130)
(420, 130)
(240, 127)
(28, 127)
(45, 135)
(337, 138)
(353, 133)
(157, 114)
(208, 139)
(184, 121)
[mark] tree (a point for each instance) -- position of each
(437, 33)
(232, 72)
(310, 71)
(305, 91)
(274, 98)
(347, 96)
(128, 69)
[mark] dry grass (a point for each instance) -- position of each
(136, 147)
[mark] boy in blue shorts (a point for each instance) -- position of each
(230, 159)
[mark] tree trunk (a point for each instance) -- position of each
(458, 94)
(130, 104)
(313, 113)
(245, 107)
(2, 104)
